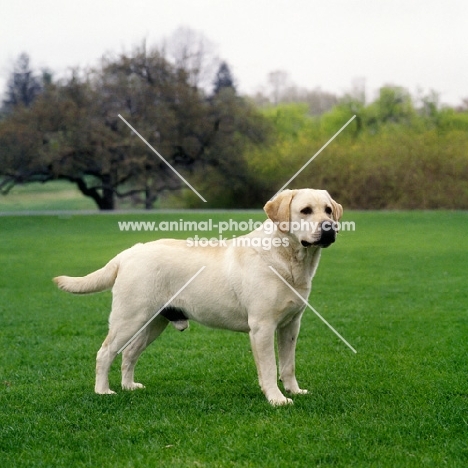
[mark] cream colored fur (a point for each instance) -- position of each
(236, 291)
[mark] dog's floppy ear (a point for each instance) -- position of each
(278, 209)
(337, 209)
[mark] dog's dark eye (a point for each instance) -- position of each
(307, 210)
(328, 210)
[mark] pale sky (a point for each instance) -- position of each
(418, 44)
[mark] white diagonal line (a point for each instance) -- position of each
(315, 155)
(312, 309)
(162, 159)
(159, 311)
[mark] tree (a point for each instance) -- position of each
(394, 105)
(282, 91)
(279, 82)
(191, 51)
(223, 79)
(23, 86)
(240, 128)
(72, 131)
(66, 141)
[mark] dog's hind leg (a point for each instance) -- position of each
(120, 333)
(104, 359)
(133, 351)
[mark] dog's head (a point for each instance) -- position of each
(311, 216)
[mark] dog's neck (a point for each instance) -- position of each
(295, 263)
(302, 261)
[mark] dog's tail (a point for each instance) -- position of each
(99, 280)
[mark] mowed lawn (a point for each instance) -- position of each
(396, 289)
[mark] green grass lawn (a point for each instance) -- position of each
(57, 195)
(60, 195)
(395, 289)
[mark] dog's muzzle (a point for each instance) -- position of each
(327, 236)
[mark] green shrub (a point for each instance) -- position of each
(411, 160)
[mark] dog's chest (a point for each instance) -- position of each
(290, 311)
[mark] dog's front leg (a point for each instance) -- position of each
(287, 338)
(262, 339)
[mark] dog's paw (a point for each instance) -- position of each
(297, 391)
(132, 386)
(107, 391)
(280, 401)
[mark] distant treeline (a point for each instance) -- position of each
(398, 153)
(393, 155)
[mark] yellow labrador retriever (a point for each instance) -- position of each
(237, 290)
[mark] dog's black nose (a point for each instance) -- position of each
(327, 234)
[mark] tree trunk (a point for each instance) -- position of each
(150, 198)
(104, 200)
(107, 197)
